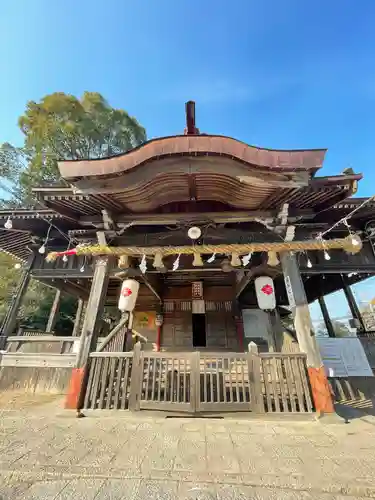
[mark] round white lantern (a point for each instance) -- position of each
(128, 295)
(265, 290)
(194, 233)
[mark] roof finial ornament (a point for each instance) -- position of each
(190, 128)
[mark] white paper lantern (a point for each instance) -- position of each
(265, 291)
(128, 295)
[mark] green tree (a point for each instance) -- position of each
(13, 162)
(63, 127)
(340, 329)
(58, 127)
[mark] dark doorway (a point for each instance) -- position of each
(199, 330)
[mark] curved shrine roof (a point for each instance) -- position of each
(196, 145)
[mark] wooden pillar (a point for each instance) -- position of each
(326, 317)
(78, 318)
(277, 330)
(11, 316)
(238, 321)
(306, 339)
(89, 334)
(53, 315)
(356, 313)
(271, 331)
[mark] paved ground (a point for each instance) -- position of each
(46, 454)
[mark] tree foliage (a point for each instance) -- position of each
(63, 127)
(58, 127)
(13, 164)
(340, 329)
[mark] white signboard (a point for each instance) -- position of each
(344, 357)
(289, 291)
(198, 307)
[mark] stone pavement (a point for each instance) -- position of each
(46, 453)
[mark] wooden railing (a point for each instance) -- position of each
(25, 332)
(285, 386)
(39, 351)
(108, 385)
(196, 382)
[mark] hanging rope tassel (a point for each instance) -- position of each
(272, 261)
(123, 262)
(158, 260)
(197, 262)
(236, 261)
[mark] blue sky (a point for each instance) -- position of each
(278, 74)
(282, 74)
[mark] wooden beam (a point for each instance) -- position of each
(37, 360)
(150, 286)
(218, 217)
(124, 320)
(94, 309)
(242, 284)
(326, 316)
(90, 332)
(54, 312)
(339, 269)
(78, 318)
(66, 286)
(354, 309)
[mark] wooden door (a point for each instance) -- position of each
(177, 331)
(221, 330)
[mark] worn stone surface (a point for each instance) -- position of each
(47, 453)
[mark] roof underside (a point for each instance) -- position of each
(208, 188)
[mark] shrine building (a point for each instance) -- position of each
(222, 246)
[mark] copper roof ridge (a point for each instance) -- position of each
(196, 145)
(219, 136)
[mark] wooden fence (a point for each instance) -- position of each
(195, 382)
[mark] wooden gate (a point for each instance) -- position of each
(224, 383)
(167, 381)
(108, 385)
(196, 382)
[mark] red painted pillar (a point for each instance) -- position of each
(74, 390)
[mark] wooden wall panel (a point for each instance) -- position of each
(146, 300)
(216, 330)
(177, 293)
(219, 293)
